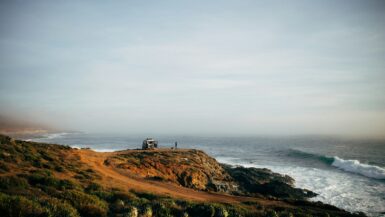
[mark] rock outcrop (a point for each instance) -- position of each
(256, 181)
(189, 168)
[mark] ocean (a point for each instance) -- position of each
(347, 173)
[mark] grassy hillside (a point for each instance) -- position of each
(53, 180)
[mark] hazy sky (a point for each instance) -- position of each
(195, 67)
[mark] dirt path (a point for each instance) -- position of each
(114, 178)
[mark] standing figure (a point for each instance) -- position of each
(176, 144)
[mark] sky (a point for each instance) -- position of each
(195, 67)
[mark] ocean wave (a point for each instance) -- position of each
(352, 166)
(305, 155)
(355, 166)
(95, 149)
(55, 135)
(104, 149)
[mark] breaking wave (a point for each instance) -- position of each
(54, 135)
(353, 166)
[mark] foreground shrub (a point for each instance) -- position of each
(87, 205)
(8, 182)
(124, 196)
(4, 167)
(201, 210)
(19, 206)
(93, 187)
(221, 212)
(92, 211)
(131, 212)
(161, 210)
(59, 208)
(50, 181)
(146, 211)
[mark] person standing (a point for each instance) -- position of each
(176, 144)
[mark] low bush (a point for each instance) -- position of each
(19, 206)
(161, 210)
(147, 195)
(93, 187)
(45, 181)
(146, 211)
(59, 208)
(104, 195)
(8, 182)
(59, 168)
(85, 203)
(91, 210)
(201, 210)
(124, 196)
(46, 156)
(4, 167)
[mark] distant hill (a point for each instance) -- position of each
(14, 126)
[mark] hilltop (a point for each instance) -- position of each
(38, 179)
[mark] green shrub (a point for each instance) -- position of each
(59, 168)
(35, 179)
(147, 195)
(90, 170)
(91, 210)
(47, 166)
(97, 190)
(8, 182)
(45, 181)
(271, 213)
(85, 203)
(124, 196)
(65, 184)
(286, 214)
(161, 210)
(19, 206)
(146, 211)
(93, 187)
(221, 212)
(117, 206)
(4, 167)
(104, 195)
(43, 172)
(131, 212)
(37, 163)
(46, 156)
(201, 210)
(59, 208)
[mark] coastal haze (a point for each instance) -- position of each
(295, 87)
(194, 68)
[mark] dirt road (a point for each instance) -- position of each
(112, 177)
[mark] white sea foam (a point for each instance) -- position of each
(227, 160)
(334, 187)
(355, 166)
(104, 150)
(54, 135)
(95, 149)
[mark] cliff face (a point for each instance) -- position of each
(39, 179)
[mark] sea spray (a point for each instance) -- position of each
(355, 166)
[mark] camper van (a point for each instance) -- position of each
(149, 143)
